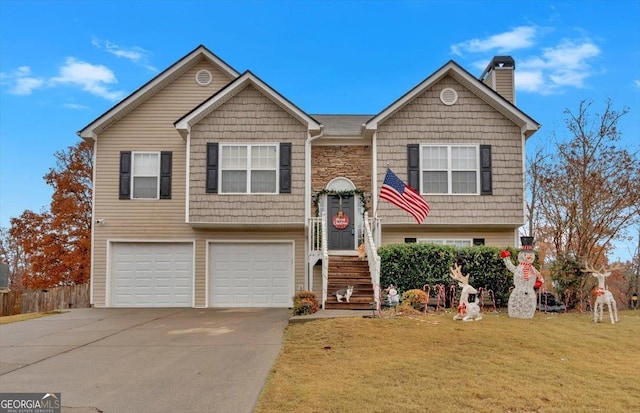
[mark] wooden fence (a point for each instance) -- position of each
(49, 299)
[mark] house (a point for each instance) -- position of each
(211, 189)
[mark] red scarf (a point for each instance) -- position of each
(526, 267)
(462, 308)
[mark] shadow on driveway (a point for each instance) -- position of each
(144, 360)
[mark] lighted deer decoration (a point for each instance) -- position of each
(603, 295)
(466, 311)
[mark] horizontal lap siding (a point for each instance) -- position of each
(494, 238)
(470, 121)
(248, 117)
(504, 83)
(149, 127)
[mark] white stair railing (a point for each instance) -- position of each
(373, 258)
(325, 257)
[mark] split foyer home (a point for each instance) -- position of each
(211, 189)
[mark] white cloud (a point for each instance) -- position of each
(636, 83)
(135, 54)
(530, 81)
(519, 38)
(92, 78)
(21, 82)
(566, 65)
(75, 106)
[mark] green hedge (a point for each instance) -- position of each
(410, 266)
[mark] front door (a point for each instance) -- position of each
(340, 217)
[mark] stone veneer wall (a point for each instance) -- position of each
(351, 162)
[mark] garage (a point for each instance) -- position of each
(151, 274)
(251, 274)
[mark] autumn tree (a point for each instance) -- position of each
(11, 253)
(584, 192)
(57, 243)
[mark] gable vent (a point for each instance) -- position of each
(448, 96)
(203, 77)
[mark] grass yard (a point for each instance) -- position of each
(22, 317)
(552, 363)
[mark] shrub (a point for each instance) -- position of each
(411, 266)
(417, 299)
(305, 302)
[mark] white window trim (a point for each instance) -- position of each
(449, 169)
(250, 145)
(133, 163)
(445, 241)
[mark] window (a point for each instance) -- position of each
(145, 175)
(449, 169)
(452, 242)
(249, 169)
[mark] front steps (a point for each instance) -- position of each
(349, 270)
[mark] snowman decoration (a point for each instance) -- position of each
(393, 298)
(522, 301)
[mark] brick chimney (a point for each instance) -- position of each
(499, 76)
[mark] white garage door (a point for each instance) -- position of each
(151, 275)
(251, 275)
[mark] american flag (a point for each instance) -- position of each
(403, 196)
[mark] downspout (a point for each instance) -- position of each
(307, 172)
(374, 192)
(374, 175)
(188, 166)
(524, 183)
(307, 197)
(93, 210)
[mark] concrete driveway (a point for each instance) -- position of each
(144, 360)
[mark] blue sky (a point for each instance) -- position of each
(64, 63)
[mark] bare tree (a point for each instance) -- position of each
(533, 191)
(585, 192)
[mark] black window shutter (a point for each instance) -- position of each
(165, 174)
(413, 166)
(285, 168)
(486, 186)
(125, 175)
(212, 168)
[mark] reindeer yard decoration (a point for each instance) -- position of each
(466, 311)
(602, 293)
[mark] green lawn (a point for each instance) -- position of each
(551, 363)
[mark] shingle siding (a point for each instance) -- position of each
(248, 117)
(426, 120)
